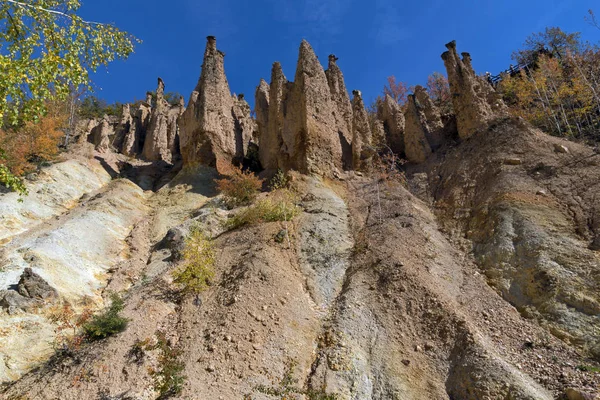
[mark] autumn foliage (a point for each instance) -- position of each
(560, 92)
(31, 143)
(240, 188)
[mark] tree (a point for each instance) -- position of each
(397, 90)
(591, 19)
(552, 39)
(439, 91)
(46, 50)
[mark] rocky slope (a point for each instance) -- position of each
(475, 277)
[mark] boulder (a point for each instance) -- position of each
(33, 286)
(417, 147)
(575, 394)
(12, 302)
(472, 110)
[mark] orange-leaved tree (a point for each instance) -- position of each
(27, 145)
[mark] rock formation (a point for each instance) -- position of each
(340, 97)
(123, 127)
(361, 133)
(417, 147)
(306, 125)
(245, 126)
(390, 113)
(161, 142)
(311, 139)
(31, 291)
(271, 139)
(33, 286)
(133, 141)
(261, 107)
(100, 135)
(208, 128)
(433, 118)
(472, 111)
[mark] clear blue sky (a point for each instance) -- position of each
(373, 39)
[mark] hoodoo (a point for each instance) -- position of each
(208, 128)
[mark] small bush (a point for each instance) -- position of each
(199, 262)
(279, 181)
(109, 322)
(240, 188)
(280, 206)
(168, 379)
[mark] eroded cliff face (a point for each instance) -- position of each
(474, 278)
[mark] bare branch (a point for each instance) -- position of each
(591, 19)
(24, 5)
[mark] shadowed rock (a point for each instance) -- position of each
(339, 95)
(261, 108)
(134, 139)
(361, 133)
(391, 115)
(123, 127)
(472, 111)
(163, 131)
(245, 125)
(271, 139)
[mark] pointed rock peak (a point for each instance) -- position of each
(357, 94)
(277, 73)
(389, 101)
(211, 43)
(160, 90)
(332, 60)
(149, 98)
(307, 56)
(263, 83)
